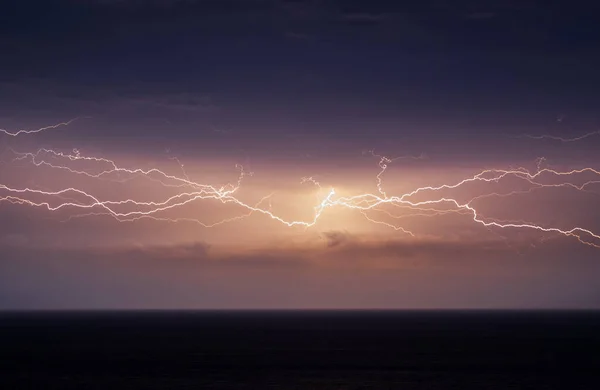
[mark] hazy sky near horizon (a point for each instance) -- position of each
(299, 154)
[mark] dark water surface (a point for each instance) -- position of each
(300, 350)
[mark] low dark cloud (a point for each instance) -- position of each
(335, 238)
(354, 271)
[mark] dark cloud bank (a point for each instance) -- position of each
(342, 272)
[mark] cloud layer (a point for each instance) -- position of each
(337, 271)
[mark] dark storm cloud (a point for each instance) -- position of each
(29, 96)
(480, 15)
(127, 18)
(134, 3)
(297, 35)
(365, 17)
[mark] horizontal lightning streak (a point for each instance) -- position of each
(22, 132)
(367, 204)
(557, 138)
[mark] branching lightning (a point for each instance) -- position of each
(379, 207)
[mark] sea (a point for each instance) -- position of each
(300, 350)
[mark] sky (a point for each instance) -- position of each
(292, 154)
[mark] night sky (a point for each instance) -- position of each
(299, 154)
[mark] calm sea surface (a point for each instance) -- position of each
(300, 350)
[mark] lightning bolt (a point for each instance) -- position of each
(378, 208)
(557, 138)
(34, 131)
